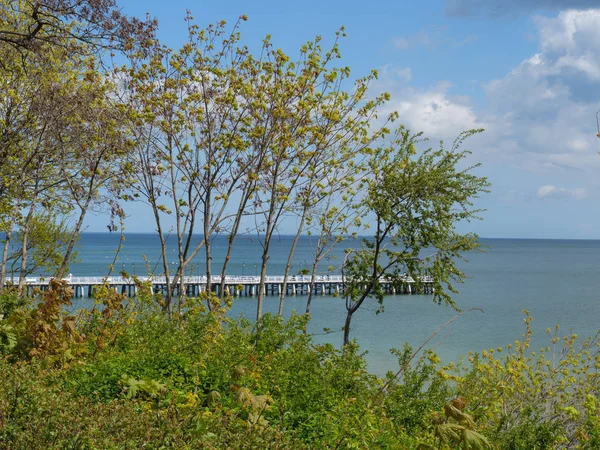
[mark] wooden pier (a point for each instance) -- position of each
(234, 285)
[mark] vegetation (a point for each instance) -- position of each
(126, 375)
(209, 136)
(416, 204)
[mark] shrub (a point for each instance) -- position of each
(533, 400)
(136, 377)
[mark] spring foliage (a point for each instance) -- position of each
(191, 132)
(125, 375)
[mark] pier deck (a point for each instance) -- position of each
(235, 285)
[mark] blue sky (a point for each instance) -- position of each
(528, 71)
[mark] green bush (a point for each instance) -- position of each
(126, 375)
(419, 390)
(10, 300)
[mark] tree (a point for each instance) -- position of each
(43, 247)
(415, 201)
(94, 145)
(79, 26)
(323, 204)
(314, 125)
(196, 154)
(221, 134)
(63, 150)
(336, 217)
(40, 108)
(60, 136)
(340, 137)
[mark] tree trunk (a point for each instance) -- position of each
(289, 263)
(349, 314)
(182, 284)
(61, 272)
(208, 249)
(312, 281)
(7, 238)
(25, 239)
(163, 251)
(261, 285)
(265, 256)
(233, 234)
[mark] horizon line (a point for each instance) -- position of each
(357, 237)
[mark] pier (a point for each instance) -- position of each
(234, 285)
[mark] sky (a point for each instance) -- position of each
(527, 71)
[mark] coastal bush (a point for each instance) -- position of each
(526, 399)
(419, 390)
(10, 300)
(137, 377)
(38, 414)
(11, 318)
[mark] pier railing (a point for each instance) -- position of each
(234, 284)
(229, 280)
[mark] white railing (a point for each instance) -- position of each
(229, 280)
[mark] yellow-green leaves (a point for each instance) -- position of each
(548, 394)
(415, 201)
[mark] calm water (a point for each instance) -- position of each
(558, 281)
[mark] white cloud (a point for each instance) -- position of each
(423, 38)
(571, 42)
(579, 144)
(539, 118)
(436, 114)
(550, 191)
(511, 195)
(401, 43)
(432, 111)
(546, 105)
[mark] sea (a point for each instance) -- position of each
(557, 281)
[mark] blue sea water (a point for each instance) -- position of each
(558, 281)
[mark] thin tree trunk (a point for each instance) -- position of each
(312, 281)
(62, 269)
(24, 255)
(352, 308)
(270, 227)
(289, 262)
(7, 239)
(230, 241)
(208, 252)
(163, 251)
(25, 239)
(347, 327)
(265, 259)
(232, 236)
(261, 284)
(178, 278)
